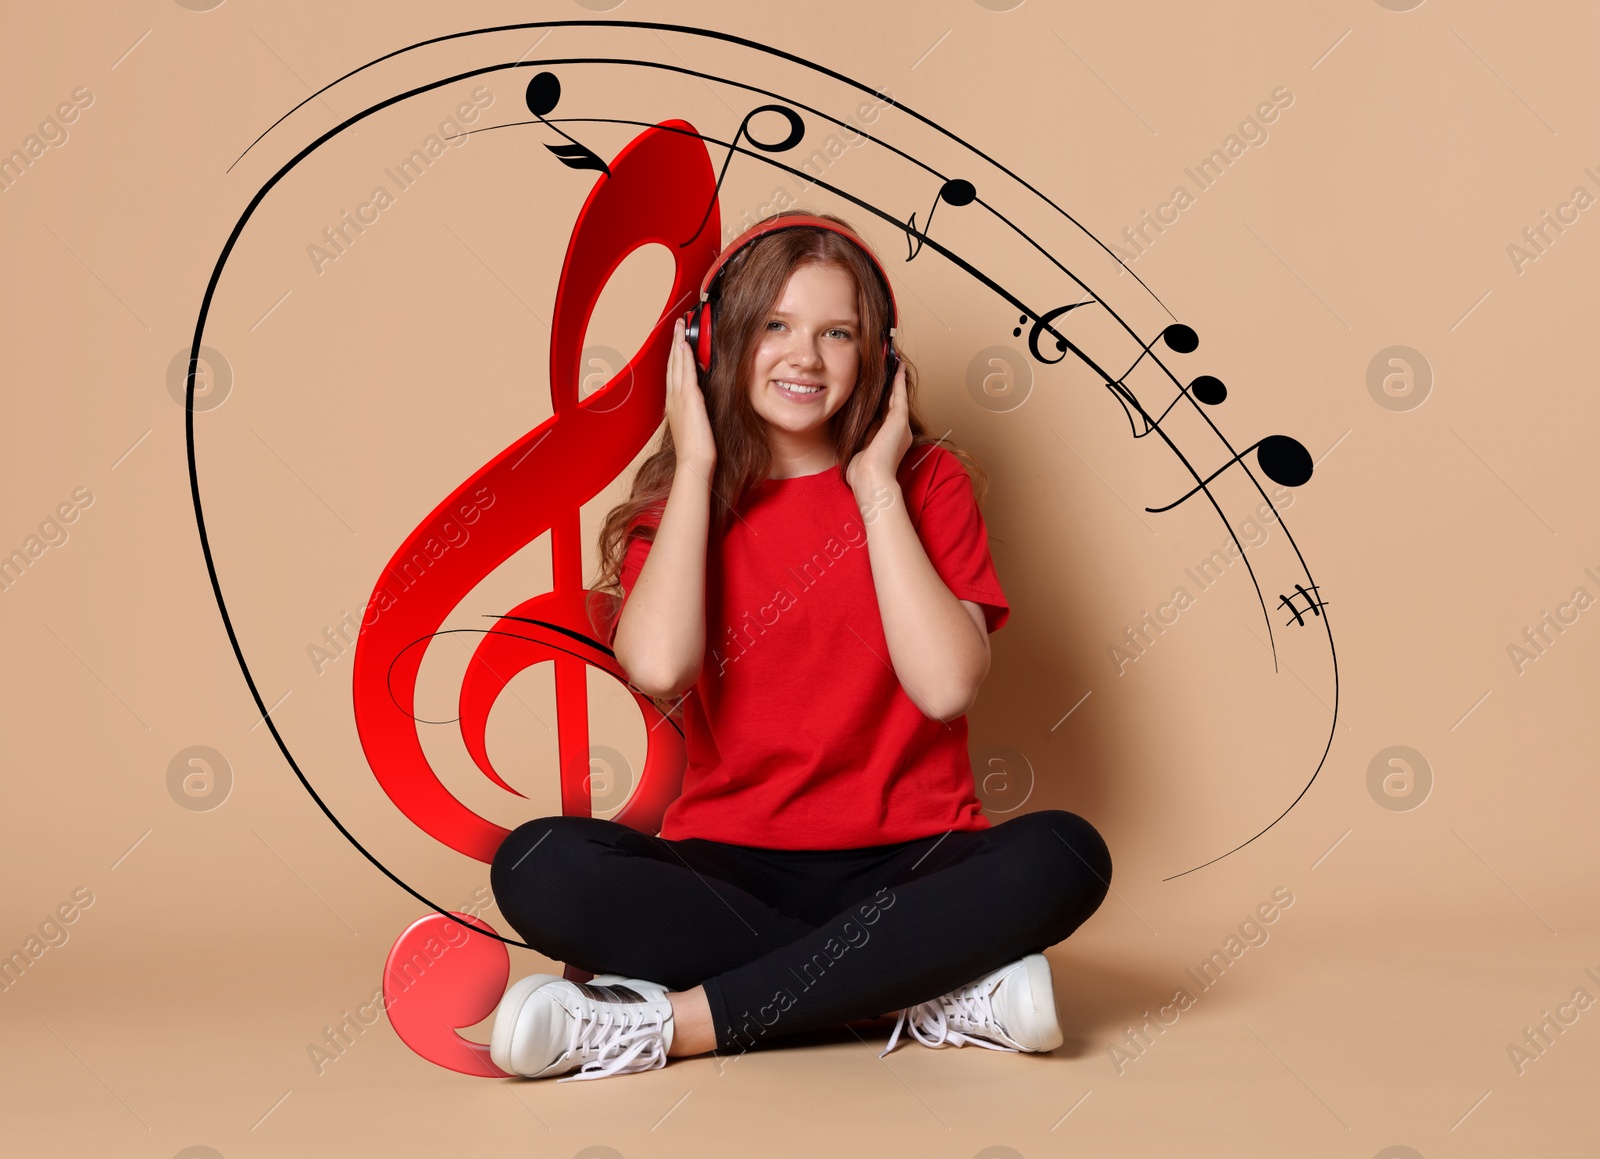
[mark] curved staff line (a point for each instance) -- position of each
(199, 513)
(578, 636)
(511, 636)
(194, 356)
(1326, 749)
(1114, 385)
(1333, 655)
(728, 37)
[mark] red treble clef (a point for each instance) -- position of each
(658, 188)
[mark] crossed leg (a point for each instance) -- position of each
(714, 925)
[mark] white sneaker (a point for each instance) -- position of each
(546, 1025)
(1012, 1008)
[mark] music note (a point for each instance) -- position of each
(797, 130)
(540, 483)
(1314, 603)
(544, 93)
(1182, 339)
(1207, 388)
(1281, 458)
(953, 192)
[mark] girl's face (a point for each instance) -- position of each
(807, 353)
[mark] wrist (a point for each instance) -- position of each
(869, 479)
(875, 494)
(691, 471)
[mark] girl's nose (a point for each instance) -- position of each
(804, 352)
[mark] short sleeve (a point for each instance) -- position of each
(956, 539)
(633, 563)
(638, 547)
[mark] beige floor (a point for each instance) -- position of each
(1324, 1041)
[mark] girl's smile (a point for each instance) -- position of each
(800, 390)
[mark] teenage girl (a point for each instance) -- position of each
(806, 570)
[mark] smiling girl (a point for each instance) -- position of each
(804, 569)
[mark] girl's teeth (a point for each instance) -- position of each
(800, 389)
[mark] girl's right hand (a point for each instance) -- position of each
(686, 407)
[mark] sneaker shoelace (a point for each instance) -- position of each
(955, 1019)
(615, 1038)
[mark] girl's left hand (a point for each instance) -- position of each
(879, 460)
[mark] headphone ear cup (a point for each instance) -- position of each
(691, 331)
(702, 339)
(891, 363)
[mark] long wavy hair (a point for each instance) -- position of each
(750, 287)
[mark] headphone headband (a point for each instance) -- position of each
(800, 221)
(698, 321)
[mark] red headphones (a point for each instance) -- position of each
(697, 322)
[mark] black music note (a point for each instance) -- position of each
(1207, 388)
(953, 192)
(1281, 458)
(544, 93)
(797, 130)
(1314, 603)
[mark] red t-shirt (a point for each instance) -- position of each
(799, 735)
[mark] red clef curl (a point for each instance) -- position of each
(658, 188)
(440, 977)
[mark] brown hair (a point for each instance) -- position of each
(750, 286)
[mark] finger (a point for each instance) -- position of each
(685, 354)
(675, 354)
(897, 391)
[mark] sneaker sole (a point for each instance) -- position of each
(1047, 1026)
(508, 1013)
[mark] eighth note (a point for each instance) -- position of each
(952, 192)
(544, 93)
(1314, 603)
(1281, 458)
(797, 130)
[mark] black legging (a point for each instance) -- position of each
(793, 940)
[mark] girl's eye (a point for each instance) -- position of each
(839, 330)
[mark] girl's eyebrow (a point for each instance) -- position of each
(831, 322)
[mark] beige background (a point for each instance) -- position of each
(1421, 942)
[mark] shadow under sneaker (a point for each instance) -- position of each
(546, 1026)
(1012, 1008)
